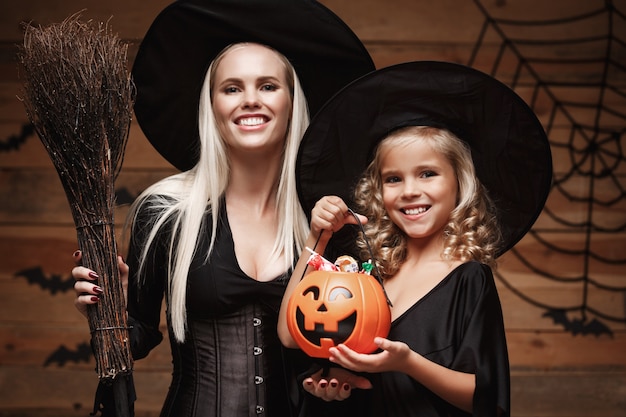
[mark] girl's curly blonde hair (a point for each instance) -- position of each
(472, 232)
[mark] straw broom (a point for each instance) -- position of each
(79, 96)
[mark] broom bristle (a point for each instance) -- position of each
(79, 97)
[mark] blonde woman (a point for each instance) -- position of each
(218, 240)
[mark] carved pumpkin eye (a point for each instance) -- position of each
(312, 290)
(337, 292)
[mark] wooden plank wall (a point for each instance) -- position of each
(45, 364)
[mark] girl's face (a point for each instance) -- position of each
(251, 99)
(419, 187)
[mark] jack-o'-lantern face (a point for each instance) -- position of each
(328, 308)
(332, 317)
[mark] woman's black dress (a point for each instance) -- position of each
(231, 363)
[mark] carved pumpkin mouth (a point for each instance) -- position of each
(345, 328)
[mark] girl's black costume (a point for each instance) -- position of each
(231, 363)
(459, 325)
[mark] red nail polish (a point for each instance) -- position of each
(95, 299)
(346, 387)
(323, 384)
(93, 275)
(97, 290)
(75, 254)
(333, 384)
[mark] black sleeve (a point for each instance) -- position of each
(483, 350)
(145, 294)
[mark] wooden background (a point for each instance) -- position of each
(45, 364)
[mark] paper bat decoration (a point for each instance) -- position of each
(53, 283)
(578, 326)
(63, 355)
(123, 196)
(14, 142)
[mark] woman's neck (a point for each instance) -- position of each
(253, 184)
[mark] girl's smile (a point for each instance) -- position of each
(409, 211)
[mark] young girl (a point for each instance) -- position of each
(434, 232)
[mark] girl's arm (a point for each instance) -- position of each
(329, 215)
(455, 387)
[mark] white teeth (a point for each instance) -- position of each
(414, 211)
(251, 121)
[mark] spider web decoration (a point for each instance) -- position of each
(572, 70)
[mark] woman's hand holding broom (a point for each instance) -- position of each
(86, 286)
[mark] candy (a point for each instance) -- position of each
(319, 262)
(367, 267)
(347, 263)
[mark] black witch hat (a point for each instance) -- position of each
(186, 36)
(509, 146)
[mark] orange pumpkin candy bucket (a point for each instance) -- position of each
(330, 307)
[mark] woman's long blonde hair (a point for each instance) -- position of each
(182, 200)
(472, 232)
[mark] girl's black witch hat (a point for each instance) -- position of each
(509, 146)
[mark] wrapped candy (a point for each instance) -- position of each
(367, 267)
(344, 263)
(347, 263)
(320, 263)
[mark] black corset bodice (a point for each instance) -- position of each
(230, 366)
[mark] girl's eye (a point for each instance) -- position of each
(269, 87)
(391, 179)
(231, 90)
(428, 174)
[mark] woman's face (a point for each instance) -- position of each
(251, 99)
(419, 188)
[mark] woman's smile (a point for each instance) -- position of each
(251, 120)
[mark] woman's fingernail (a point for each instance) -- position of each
(75, 254)
(95, 299)
(346, 387)
(98, 290)
(323, 384)
(93, 275)
(333, 384)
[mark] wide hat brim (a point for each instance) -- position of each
(510, 149)
(186, 36)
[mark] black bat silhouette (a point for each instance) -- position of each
(14, 142)
(53, 283)
(123, 196)
(63, 355)
(578, 326)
